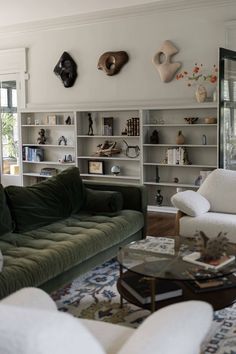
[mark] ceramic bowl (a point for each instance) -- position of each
(210, 120)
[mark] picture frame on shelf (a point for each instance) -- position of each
(52, 119)
(108, 126)
(96, 167)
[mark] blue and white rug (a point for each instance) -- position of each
(94, 296)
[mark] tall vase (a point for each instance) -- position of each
(201, 94)
(180, 138)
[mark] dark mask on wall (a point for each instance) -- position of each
(66, 68)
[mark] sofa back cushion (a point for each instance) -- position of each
(219, 188)
(46, 202)
(5, 214)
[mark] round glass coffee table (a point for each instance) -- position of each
(160, 259)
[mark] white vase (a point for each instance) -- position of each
(201, 94)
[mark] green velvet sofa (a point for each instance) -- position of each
(55, 230)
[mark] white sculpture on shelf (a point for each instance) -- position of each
(162, 61)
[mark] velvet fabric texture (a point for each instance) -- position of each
(5, 215)
(46, 202)
(103, 201)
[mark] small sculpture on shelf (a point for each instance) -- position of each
(68, 120)
(154, 138)
(108, 148)
(61, 140)
(131, 151)
(42, 138)
(90, 130)
(159, 197)
(175, 180)
(211, 249)
(191, 120)
(180, 138)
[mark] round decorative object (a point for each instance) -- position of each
(115, 170)
(201, 94)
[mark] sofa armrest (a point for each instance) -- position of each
(134, 196)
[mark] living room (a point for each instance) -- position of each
(33, 39)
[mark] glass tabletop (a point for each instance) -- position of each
(162, 258)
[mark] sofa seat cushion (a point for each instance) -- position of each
(36, 256)
(210, 223)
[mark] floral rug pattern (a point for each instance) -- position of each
(94, 296)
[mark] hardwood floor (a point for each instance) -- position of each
(161, 224)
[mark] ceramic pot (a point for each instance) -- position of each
(180, 138)
(201, 94)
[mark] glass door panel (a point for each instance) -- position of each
(227, 109)
(10, 167)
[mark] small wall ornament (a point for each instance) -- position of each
(66, 69)
(112, 62)
(162, 61)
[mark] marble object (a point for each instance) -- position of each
(112, 62)
(201, 94)
(162, 61)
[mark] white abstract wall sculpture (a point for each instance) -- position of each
(162, 61)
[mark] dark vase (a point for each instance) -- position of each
(159, 197)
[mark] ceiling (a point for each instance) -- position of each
(22, 11)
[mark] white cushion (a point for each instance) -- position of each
(112, 337)
(219, 188)
(31, 297)
(31, 331)
(190, 203)
(210, 223)
(175, 329)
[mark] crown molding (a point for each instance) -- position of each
(74, 21)
(174, 103)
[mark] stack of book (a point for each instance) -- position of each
(133, 127)
(140, 288)
(48, 171)
(31, 153)
(176, 156)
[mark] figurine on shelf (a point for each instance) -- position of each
(68, 120)
(61, 140)
(108, 148)
(159, 197)
(154, 138)
(90, 130)
(42, 138)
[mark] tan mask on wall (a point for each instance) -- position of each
(162, 61)
(112, 62)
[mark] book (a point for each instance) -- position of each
(163, 245)
(205, 285)
(48, 171)
(140, 288)
(196, 258)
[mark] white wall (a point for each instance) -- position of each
(197, 32)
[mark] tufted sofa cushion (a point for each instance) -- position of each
(36, 256)
(219, 189)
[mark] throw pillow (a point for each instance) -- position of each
(5, 214)
(46, 202)
(190, 202)
(98, 201)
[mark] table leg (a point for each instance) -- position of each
(153, 293)
(121, 297)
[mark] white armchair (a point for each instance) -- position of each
(211, 209)
(30, 324)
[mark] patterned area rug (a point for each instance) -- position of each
(95, 296)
